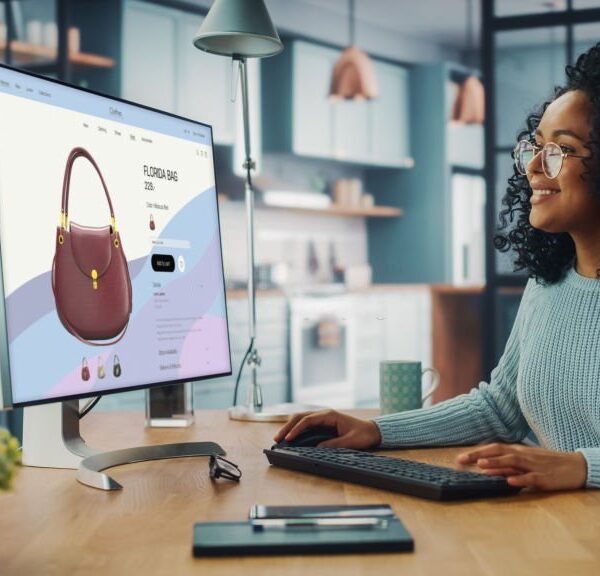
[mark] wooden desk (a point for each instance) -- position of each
(52, 525)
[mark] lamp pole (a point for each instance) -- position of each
(255, 394)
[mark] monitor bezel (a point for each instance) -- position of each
(6, 399)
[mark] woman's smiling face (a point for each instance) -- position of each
(564, 204)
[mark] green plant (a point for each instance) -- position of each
(10, 458)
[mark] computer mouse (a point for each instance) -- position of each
(310, 437)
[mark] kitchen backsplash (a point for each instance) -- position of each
(300, 244)
(284, 237)
(306, 174)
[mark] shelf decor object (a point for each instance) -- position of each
(241, 29)
(353, 76)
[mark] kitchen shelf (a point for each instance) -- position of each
(333, 210)
(373, 212)
(25, 53)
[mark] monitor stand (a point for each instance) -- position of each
(51, 439)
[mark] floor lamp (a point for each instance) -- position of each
(241, 29)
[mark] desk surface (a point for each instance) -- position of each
(50, 524)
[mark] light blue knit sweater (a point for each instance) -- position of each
(547, 381)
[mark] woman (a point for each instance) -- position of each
(548, 379)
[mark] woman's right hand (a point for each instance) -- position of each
(352, 432)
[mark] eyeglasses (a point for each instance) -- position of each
(219, 467)
(552, 157)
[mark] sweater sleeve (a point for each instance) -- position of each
(489, 412)
(592, 457)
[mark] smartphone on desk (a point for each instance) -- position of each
(260, 512)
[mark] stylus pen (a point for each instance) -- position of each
(317, 523)
(258, 512)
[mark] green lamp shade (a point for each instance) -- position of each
(238, 28)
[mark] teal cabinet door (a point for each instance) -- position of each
(312, 115)
(148, 74)
(390, 118)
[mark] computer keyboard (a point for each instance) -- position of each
(388, 473)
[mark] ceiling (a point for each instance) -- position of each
(412, 18)
(444, 21)
(439, 22)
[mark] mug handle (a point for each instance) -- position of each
(435, 382)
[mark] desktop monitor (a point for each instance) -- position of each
(111, 266)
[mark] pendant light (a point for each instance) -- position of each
(471, 108)
(353, 76)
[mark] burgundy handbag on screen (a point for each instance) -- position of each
(90, 276)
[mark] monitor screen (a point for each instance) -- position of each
(111, 264)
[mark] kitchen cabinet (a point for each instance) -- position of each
(162, 69)
(272, 342)
(299, 117)
(457, 338)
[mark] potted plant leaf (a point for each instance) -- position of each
(10, 458)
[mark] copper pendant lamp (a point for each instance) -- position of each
(353, 76)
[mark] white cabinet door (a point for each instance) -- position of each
(149, 55)
(204, 81)
(408, 326)
(163, 69)
(351, 130)
(370, 312)
(389, 122)
(312, 110)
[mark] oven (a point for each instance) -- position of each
(322, 341)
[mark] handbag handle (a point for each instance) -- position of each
(64, 212)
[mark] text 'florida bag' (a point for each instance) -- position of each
(90, 277)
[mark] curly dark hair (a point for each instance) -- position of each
(547, 256)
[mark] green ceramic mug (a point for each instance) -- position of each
(400, 385)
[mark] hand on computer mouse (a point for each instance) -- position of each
(352, 432)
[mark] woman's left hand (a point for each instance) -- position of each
(529, 467)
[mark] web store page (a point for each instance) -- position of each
(111, 250)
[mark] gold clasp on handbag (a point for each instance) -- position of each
(63, 226)
(113, 223)
(95, 279)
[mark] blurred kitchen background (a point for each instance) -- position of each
(374, 217)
